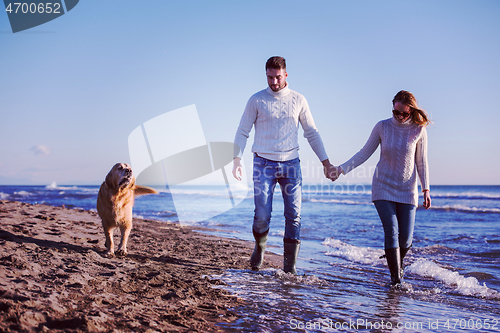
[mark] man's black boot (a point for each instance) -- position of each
(290, 252)
(257, 257)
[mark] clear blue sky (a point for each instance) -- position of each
(73, 89)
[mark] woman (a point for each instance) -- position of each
(403, 142)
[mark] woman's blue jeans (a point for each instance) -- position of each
(398, 220)
(266, 174)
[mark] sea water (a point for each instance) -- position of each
(452, 274)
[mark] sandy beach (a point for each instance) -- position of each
(54, 275)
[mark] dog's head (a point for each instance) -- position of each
(120, 176)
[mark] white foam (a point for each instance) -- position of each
(350, 252)
(468, 286)
(4, 196)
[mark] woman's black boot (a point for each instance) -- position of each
(393, 257)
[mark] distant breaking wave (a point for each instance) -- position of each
(345, 202)
(446, 208)
(467, 196)
(465, 209)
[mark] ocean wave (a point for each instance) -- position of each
(320, 191)
(72, 191)
(364, 255)
(344, 202)
(468, 286)
(52, 185)
(4, 196)
(434, 249)
(165, 213)
(280, 233)
(22, 194)
(222, 192)
(465, 209)
(467, 195)
(76, 189)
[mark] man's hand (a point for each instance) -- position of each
(237, 168)
(331, 172)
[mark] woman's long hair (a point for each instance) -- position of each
(419, 116)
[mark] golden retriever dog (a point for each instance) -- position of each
(114, 205)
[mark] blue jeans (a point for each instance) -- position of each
(266, 174)
(398, 220)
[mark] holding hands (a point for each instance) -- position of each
(331, 172)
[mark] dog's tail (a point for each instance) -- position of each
(141, 190)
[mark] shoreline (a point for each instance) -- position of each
(54, 275)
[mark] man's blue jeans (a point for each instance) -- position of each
(398, 220)
(266, 174)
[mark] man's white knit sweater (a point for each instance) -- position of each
(403, 153)
(276, 116)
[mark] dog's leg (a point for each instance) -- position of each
(110, 246)
(125, 230)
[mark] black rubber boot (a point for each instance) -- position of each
(403, 252)
(290, 252)
(394, 262)
(257, 257)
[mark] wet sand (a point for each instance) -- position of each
(54, 276)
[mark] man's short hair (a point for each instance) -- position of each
(276, 63)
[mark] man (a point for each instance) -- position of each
(276, 113)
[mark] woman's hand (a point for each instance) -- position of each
(427, 199)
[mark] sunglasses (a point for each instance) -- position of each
(399, 113)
